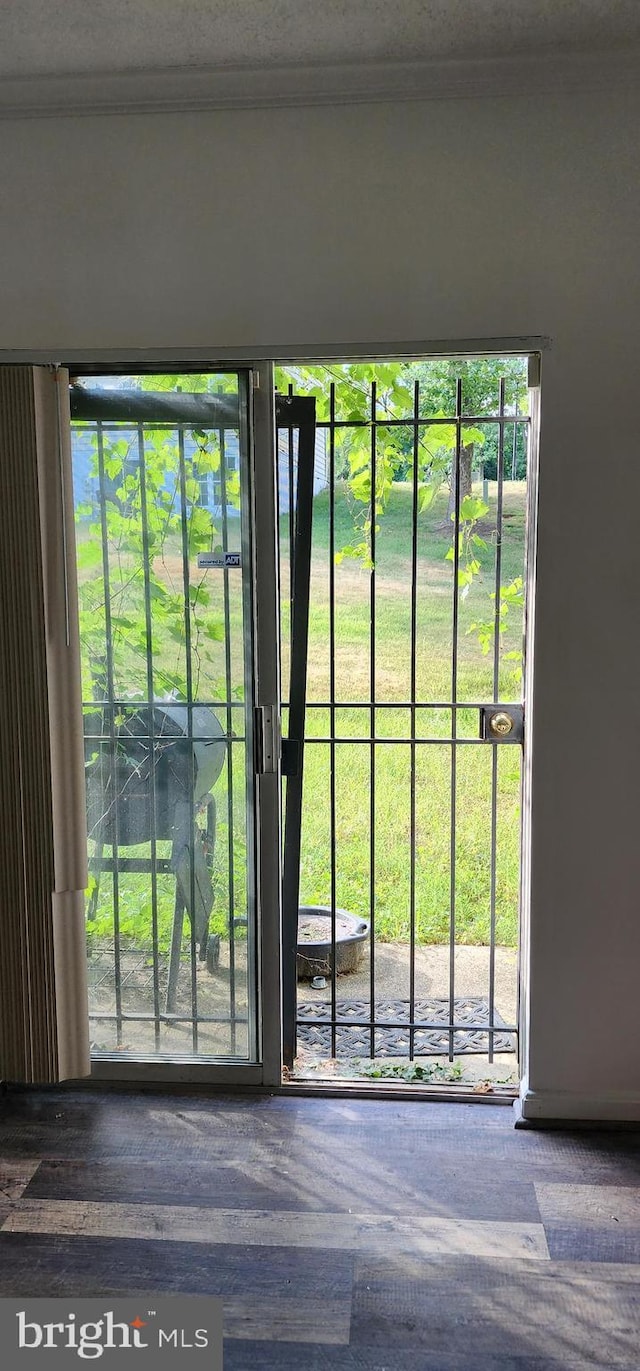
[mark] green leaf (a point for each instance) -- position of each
(440, 436)
(472, 435)
(472, 508)
(426, 496)
(360, 487)
(199, 596)
(401, 396)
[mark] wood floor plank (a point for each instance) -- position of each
(316, 1181)
(575, 1155)
(370, 1267)
(475, 1273)
(152, 1127)
(75, 1129)
(260, 1356)
(461, 1165)
(15, 1174)
(584, 1203)
(52, 1264)
(287, 1319)
(124, 1137)
(540, 1311)
(89, 1108)
(339, 1231)
(302, 1356)
(594, 1242)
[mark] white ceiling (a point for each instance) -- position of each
(56, 37)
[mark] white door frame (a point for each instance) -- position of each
(259, 362)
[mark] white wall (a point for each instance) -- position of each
(452, 219)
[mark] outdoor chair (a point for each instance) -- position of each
(147, 780)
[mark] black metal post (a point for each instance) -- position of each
(301, 414)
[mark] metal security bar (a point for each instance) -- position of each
(295, 415)
(449, 1034)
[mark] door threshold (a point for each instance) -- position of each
(400, 1090)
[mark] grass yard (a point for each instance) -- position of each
(392, 760)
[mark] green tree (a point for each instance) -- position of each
(480, 390)
(357, 392)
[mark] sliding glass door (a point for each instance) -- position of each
(163, 502)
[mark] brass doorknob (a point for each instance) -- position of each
(500, 723)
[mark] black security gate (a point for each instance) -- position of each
(446, 1013)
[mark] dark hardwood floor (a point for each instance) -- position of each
(341, 1235)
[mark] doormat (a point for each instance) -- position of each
(355, 1041)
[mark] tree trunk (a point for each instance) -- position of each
(466, 464)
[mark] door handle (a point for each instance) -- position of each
(502, 723)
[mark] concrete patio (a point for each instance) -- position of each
(431, 981)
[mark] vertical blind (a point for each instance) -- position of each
(43, 994)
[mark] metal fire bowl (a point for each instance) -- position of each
(315, 958)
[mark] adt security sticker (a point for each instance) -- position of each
(222, 561)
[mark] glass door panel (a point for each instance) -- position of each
(161, 478)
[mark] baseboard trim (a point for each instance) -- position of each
(548, 1108)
